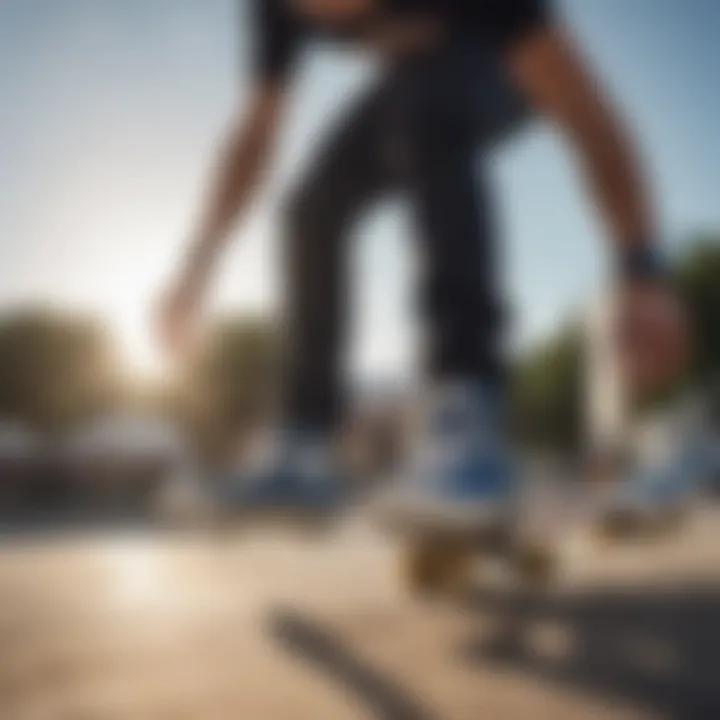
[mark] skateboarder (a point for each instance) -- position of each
(460, 78)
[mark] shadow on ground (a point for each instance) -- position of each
(314, 644)
(655, 650)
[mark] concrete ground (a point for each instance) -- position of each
(148, 626)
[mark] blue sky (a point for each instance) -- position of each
(111, 109)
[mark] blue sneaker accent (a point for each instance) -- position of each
(299, 475)
(466, 457)
(462, 477)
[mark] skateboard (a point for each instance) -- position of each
(548, 533)
(438, 561)
(537, 542)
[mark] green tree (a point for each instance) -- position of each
(548, 391)
(54, 371)
(699, 279)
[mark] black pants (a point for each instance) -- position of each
(424, 130)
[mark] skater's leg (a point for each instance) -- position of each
(461, 303)
(345, 178)
(461, 107)
(301, 470)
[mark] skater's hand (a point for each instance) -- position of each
(653, 334)
(178, 317)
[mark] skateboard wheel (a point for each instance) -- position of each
(621, 526)
(434, 567)
(536, 566)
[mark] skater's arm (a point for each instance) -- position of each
(651, 329)
(557, 80)
(242, 160)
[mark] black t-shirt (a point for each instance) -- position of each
(281, 31)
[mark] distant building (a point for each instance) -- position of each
(20, 464)
(123, 460)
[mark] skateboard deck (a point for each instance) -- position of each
(551, 530)
(536, 542)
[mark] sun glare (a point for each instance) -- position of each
(136, 574)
